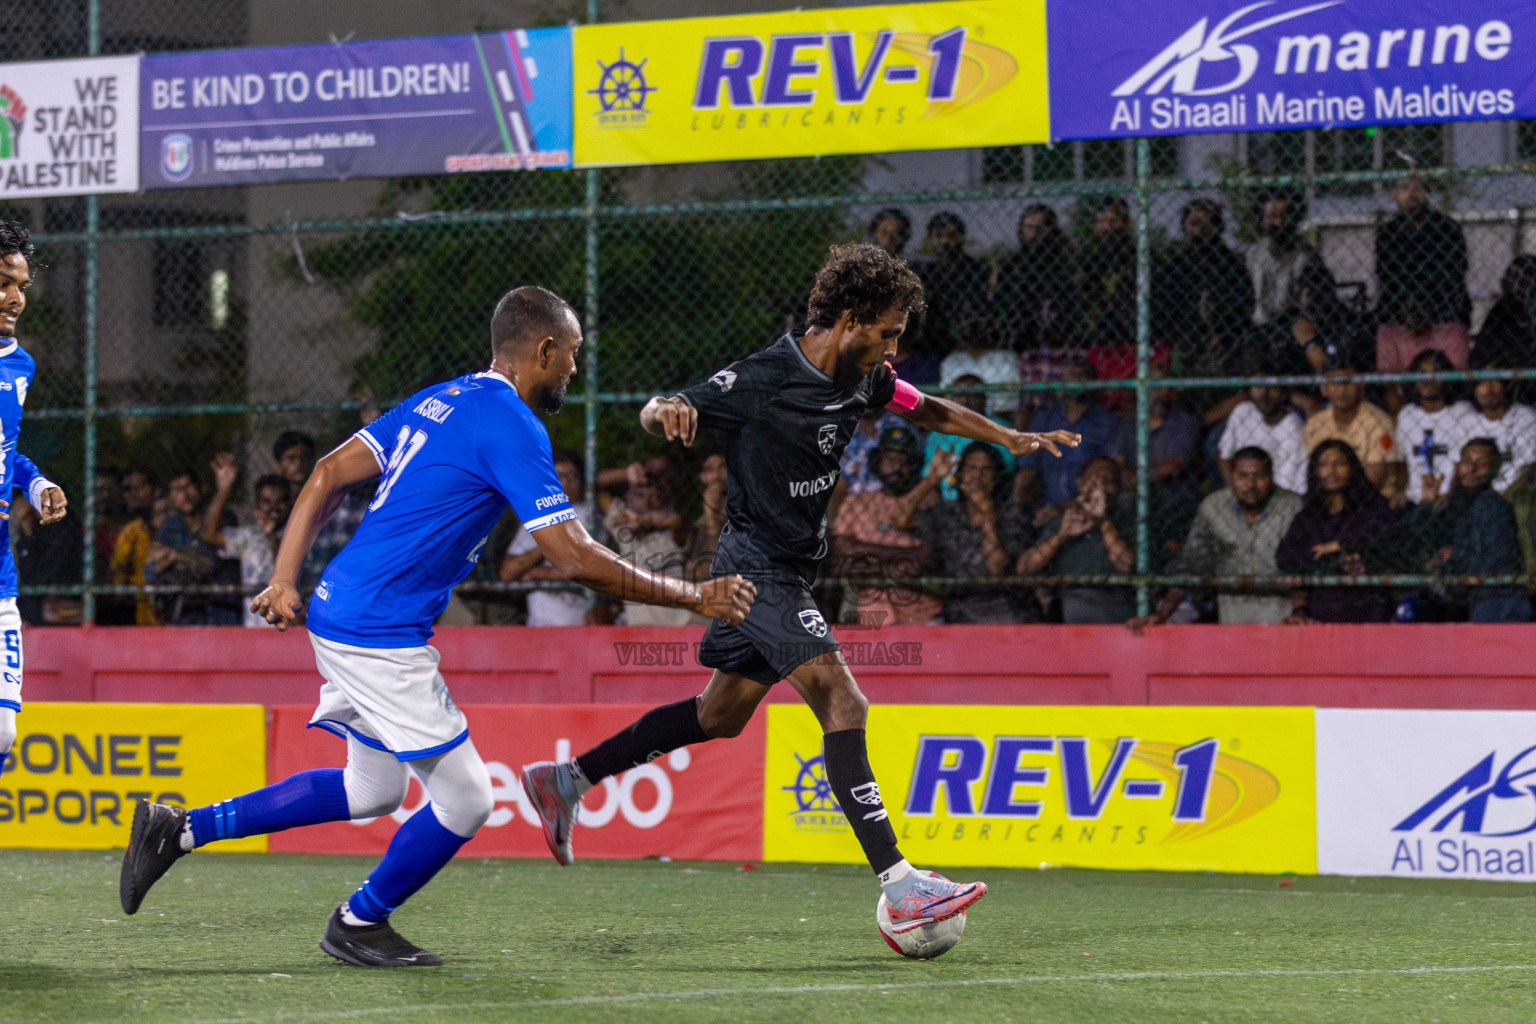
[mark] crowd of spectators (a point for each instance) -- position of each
(1340, 481)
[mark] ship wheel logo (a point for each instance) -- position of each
(811, 789)
(622, 86)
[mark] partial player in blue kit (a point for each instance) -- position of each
(18, 473)
(449, 459)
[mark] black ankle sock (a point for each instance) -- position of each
(654, 733)
(853, 783)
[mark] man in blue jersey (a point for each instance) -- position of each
(449, 459)
(17, 369)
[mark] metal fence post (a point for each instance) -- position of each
(590, 261)
(1143, 365)
(92, 230)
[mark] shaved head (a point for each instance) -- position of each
(528, 315)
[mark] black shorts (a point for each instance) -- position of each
(783, 631)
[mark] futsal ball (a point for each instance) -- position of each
(925, 941)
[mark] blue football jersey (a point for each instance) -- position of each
(17, 472)
(451, 457)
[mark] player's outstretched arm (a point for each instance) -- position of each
(334, 475)
(934, 413)
(575, 556)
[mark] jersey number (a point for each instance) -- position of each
(406, 447)
(13, 648)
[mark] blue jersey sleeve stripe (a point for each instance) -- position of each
(551, 519)
(373, 446)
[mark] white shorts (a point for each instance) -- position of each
(10, 655)
(393, 700)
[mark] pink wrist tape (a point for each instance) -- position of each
(905, 399)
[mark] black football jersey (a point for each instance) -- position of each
(784, 424)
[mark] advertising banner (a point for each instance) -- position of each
(384, 108)
(1219, 789)
(1433, 794)
(803, 83)
(697, 803)
(76, 770)
(69, 127)
(1129, 68)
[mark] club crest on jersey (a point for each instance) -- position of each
(724, 380)
(813, 622)
(826, 438)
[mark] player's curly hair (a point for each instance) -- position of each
(866, 281)
(14, 238)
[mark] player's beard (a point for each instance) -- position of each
(846, 375)
(550, 400)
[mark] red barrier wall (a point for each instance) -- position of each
(701, 802)
(1419, 666)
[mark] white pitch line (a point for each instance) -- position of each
(899, 986)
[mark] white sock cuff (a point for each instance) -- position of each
(896, 873)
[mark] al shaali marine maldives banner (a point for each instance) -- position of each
(493, 101)
(1129, 68)
(69, 127)
(1429, 794)
(806, 83)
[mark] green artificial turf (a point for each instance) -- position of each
(233, 938)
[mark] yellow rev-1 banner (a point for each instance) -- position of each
(1155, 788)
(807, 83)
(77, 770)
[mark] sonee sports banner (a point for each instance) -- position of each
(77, 770)
(1145, 788)
(807, 83)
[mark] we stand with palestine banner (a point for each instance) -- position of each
(69, 127)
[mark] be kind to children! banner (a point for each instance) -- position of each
(804, 83)
(495, 101)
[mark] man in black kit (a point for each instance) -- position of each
(786, 413)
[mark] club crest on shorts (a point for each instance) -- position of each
(826, 438)
(813, 622)
(724, 380)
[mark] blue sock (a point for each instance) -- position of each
(419, 850)
(307, 798)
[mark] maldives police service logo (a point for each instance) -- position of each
(13, 117)
(176, 157)
(814, 624)
(826, 438)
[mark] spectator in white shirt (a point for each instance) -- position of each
(524, 561)
(1512, 426)
(1267, 421)
(1431, 431)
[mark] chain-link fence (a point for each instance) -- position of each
(1301, 380)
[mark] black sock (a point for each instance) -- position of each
(853, 783)
(654, 733)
